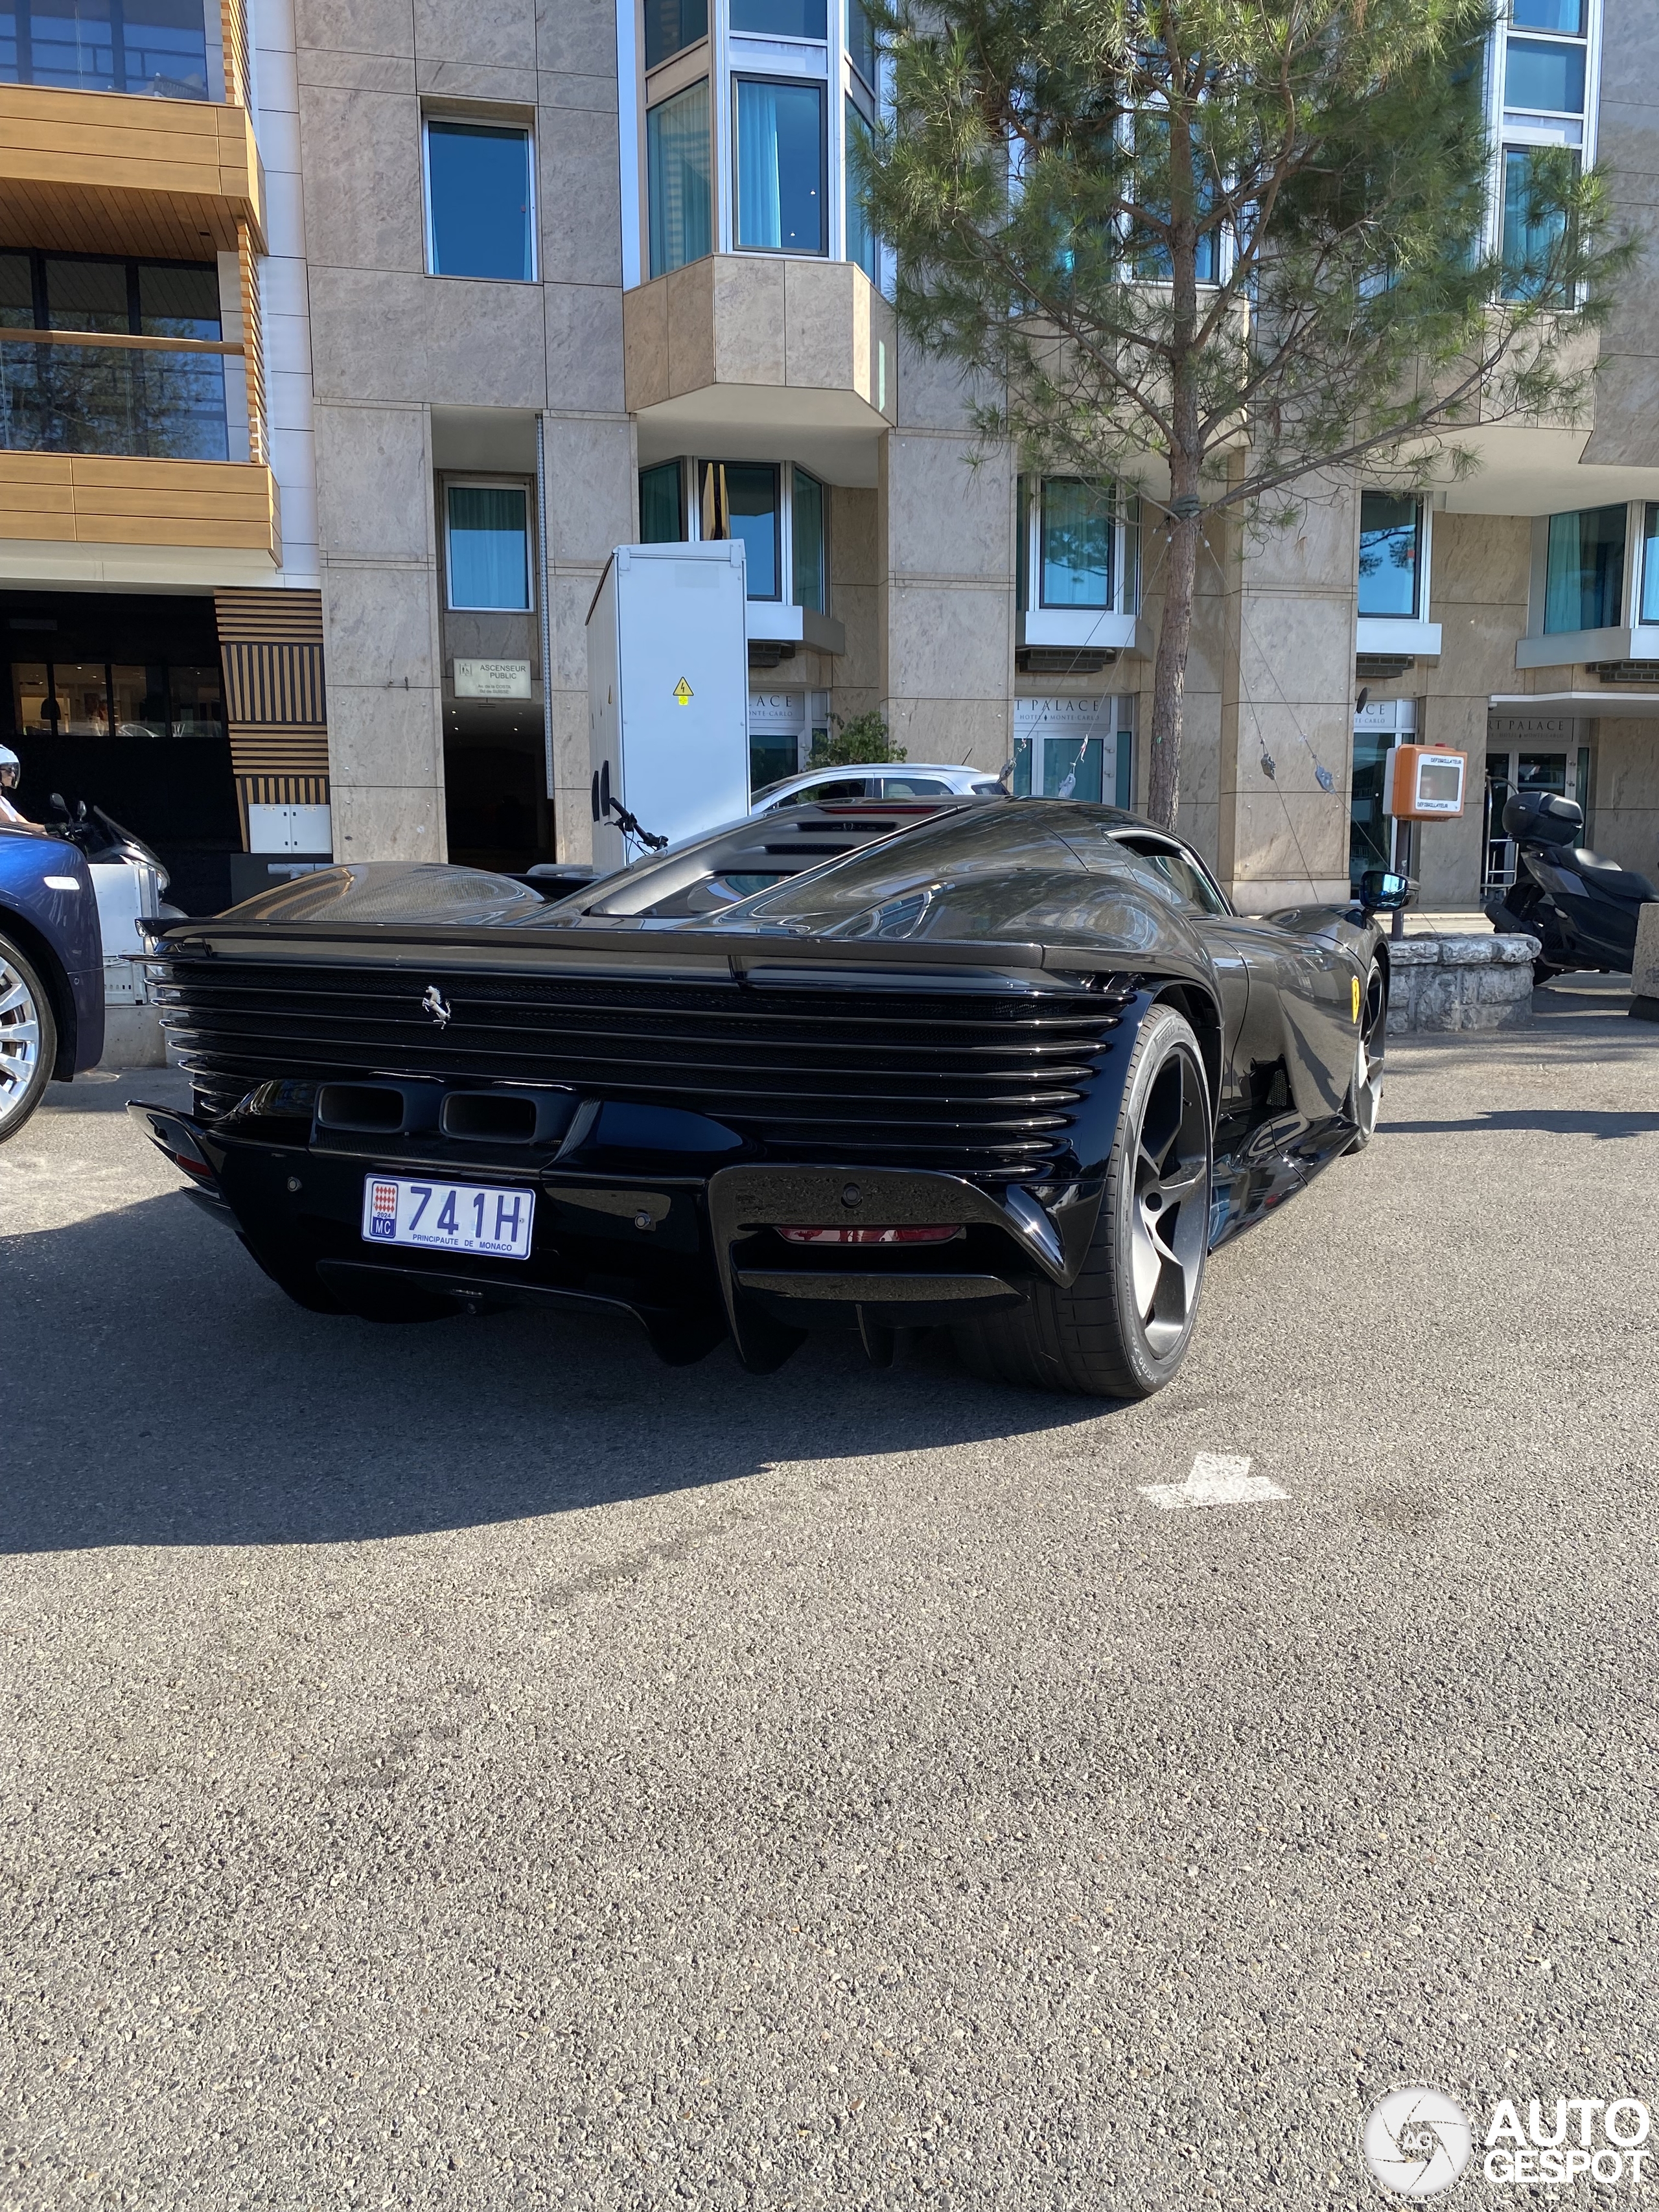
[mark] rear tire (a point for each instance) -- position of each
(1123, 1328)
(28, 1040)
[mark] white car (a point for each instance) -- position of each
(896, 779)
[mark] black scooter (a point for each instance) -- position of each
(1583, 909)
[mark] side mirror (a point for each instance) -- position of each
(1381, 891)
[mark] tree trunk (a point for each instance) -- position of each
(1169, 673)
(1185, 457)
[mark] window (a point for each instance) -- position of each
(1651, 565)
(662, 504)
(1076, 543)
(678, 179)
(1180, 872)
(781, 165)
(740, 499)
(1547, 74)
(861, 41)
(1566, 16)
(780, 19)
(862, 246)
(807, 537)
(1390, 556)
(1584, 571)
(489, 546)
(1076, 547)
(74, 699)
(480, 206)
(154, 403)
(670, 25)
(152, 46)
(1533, 227)
(1152, 257)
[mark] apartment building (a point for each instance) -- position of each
(341, 340)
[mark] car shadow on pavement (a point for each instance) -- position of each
(175, 1396)
(1545, 1121)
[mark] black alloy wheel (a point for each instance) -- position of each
(1122, 1327)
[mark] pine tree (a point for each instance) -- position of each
(1219, 250)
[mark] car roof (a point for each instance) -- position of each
(873, 768)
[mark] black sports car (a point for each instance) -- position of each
(1013, 1068)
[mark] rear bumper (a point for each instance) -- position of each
(691, 1258)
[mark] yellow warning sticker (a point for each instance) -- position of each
(683, 698)
(1356, 998)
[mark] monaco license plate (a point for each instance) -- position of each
(448, 1217)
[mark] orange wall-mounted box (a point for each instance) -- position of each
(1424, 784)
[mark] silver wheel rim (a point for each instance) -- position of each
(1171, 1204)
(1368, 1056)
(20, 1040)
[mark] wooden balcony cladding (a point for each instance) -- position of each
(96, 499)
(119, 173)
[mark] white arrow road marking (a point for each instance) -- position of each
(1216, 1480)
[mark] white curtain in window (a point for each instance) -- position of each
(489, 560)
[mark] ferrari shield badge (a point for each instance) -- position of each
(1356, 998)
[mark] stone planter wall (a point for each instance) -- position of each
(1460, 982)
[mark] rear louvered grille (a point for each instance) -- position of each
(985, 1083)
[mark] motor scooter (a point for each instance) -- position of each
(1583, 909)
(130, 884)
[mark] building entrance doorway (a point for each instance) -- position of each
(1542, 766)
(1067, 747)
(118, 700)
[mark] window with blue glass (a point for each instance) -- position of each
(1390, 556)
(863, 246)
(154, 403)
(807, 542)
(480, 201)
(740, 499)
(488, 547)
(1651, 565)
(1584, 570)
(1534, 222)
(679, 210)
(780, 165)
(1151, 255)
(670, 25)
(1074, 532)
(861, 41)
(155, 47)
(780, 19)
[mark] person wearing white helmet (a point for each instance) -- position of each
(11, 772)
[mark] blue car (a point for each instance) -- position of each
(51, 971)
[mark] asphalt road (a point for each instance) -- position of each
(471, 1766)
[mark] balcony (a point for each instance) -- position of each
(127, 442)
(126, 132)
(104, 501)
(737, 352)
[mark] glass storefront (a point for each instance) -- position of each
(118, 700)
(1072, 748)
